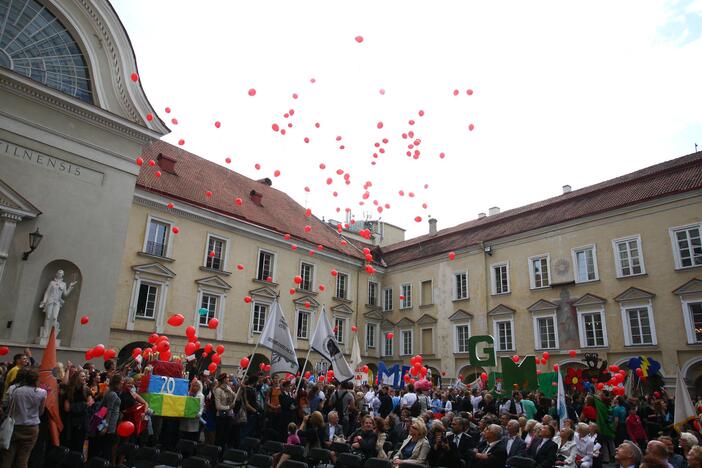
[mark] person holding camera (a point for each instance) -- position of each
(441, 453)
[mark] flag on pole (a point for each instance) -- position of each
(276, 337)
(561, 408)
(324, 342)
(48, 382)
(355, 353)
(603, 418)
(684, 409)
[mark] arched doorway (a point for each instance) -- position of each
(255, 362)
(469, 373)
(435, 376)
(692, 371)
(125, 354)
(304, 366)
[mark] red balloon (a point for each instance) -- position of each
(134, 77)
(600, 386)
(483, 376)
(262, 366)
(109, 354)
(147, 353)
(545, 355)
(268, 368)
(244, 363)
(538, 371)
(555, 367)
(515, 358)
(359, 39)
(354, 328)
(98, 350)
(572, 353)
(84, 320)
(308, 374)
(190, 348)
(297, 279)
(390, 335)
(614, 368)
(216, 358)
(213, 323)
(190, 331)
(220, 349)
(125, 428)
(208, 348)
(252, 92)
(164, 356)
(452, 255)
(544, 361)
(136, 352)
(153, 338)
(163, 346)
(89, 355)
(212, 368)
(247, 299)
(176, 320)
(407, 377)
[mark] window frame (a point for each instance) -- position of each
(385, 302)
(495, 327)
(625, 307)
(403, 333)
(339, 274)
(169, 237)
(676, 249)
(537, 334)
(421, 340)
(342, 342)
(200, 297)
(455, 286)
(384, 349)
(582, 334)
(157, 302)
(225, 251)
(313, 276)
(255, 303)
(422, 302)
(377, 289)
(574, 254)
(617, 259)
(273, 264)
(686, 302)
(532, 271)
(406, 303)
(493, 281)
(298, 315)
(374, 327)
(456, 347)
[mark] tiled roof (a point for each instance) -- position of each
(671, 177)
(195, 176)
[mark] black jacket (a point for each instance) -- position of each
(385, 404)
(497, 456)
(518, 449)
(546, 457)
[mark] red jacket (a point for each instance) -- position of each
(635, 428)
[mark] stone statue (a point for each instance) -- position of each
(52, 301)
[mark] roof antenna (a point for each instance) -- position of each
(695, 147)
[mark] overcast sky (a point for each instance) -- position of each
(563, 93)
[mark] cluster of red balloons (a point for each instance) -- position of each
(417, 369)
(99, 350)
(264, 367)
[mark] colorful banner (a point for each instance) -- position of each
(172, 405)
(169, 385)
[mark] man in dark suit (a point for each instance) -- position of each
(515, 445)
(385, 402)
(459, 441)
(492, 453)
(543, 450)
(332, 429)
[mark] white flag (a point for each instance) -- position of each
(276, 337)
(561, 401)
(324, 342)
(684, 410)
(355, 353)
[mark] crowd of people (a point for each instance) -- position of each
(446, 427)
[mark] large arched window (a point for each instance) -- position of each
(34, 43)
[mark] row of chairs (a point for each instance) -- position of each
(63, 457)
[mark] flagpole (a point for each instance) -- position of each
(309, 351)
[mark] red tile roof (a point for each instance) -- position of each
(194, 176)
(671, 177)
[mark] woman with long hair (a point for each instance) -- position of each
(75, 405)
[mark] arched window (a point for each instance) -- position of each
(34, 43)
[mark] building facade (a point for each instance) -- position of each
(611, 269)
(71, 123)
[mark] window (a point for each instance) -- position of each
(307, 275)
(628, 258)
(405, 296)
(406, 336)
(387, 299)
(146, 304)
(460, 286)
(540, 273)
(209, 303)
(546, 332)
(342, 285)
(427, 293)
(157, 238)
(387, 346)
(372, 293)
(265, 265)
(585, 261)
(215, 253)
(500, 278)
(638, 324)
(687, 246)
(339, 328)
(259, 317)
(462, 336)
(370, 335)
(695, 317)
(592, 329)
(503, 332)
(303, 324)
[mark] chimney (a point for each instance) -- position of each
(265, 181)
(481, 215)
(166, 163)
(256, 197)
(432, 226)
(495, 210)
(566, 189)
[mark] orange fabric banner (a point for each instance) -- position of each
(47, 381)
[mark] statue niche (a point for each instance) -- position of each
(58, 297)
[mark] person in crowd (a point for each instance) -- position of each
(190, 427)
(333, 432)
(635, 429)
(385, 402)
(619, 413)
(106, 438)
(491, 453)
(441, 452)
(528, 406)
(530, 433)
(342, 401)
(25, 406)
(694, 457)
(687, 442)
(293, 438)
(415, 448)
(675, 459)
(627, 455)
(224, 404)
(584, 445)
(567, 450)
(364, 441)
(459, 440)
(656, 449)
(543, 450)
(76, 403)
(19, 361)
(514, 445)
